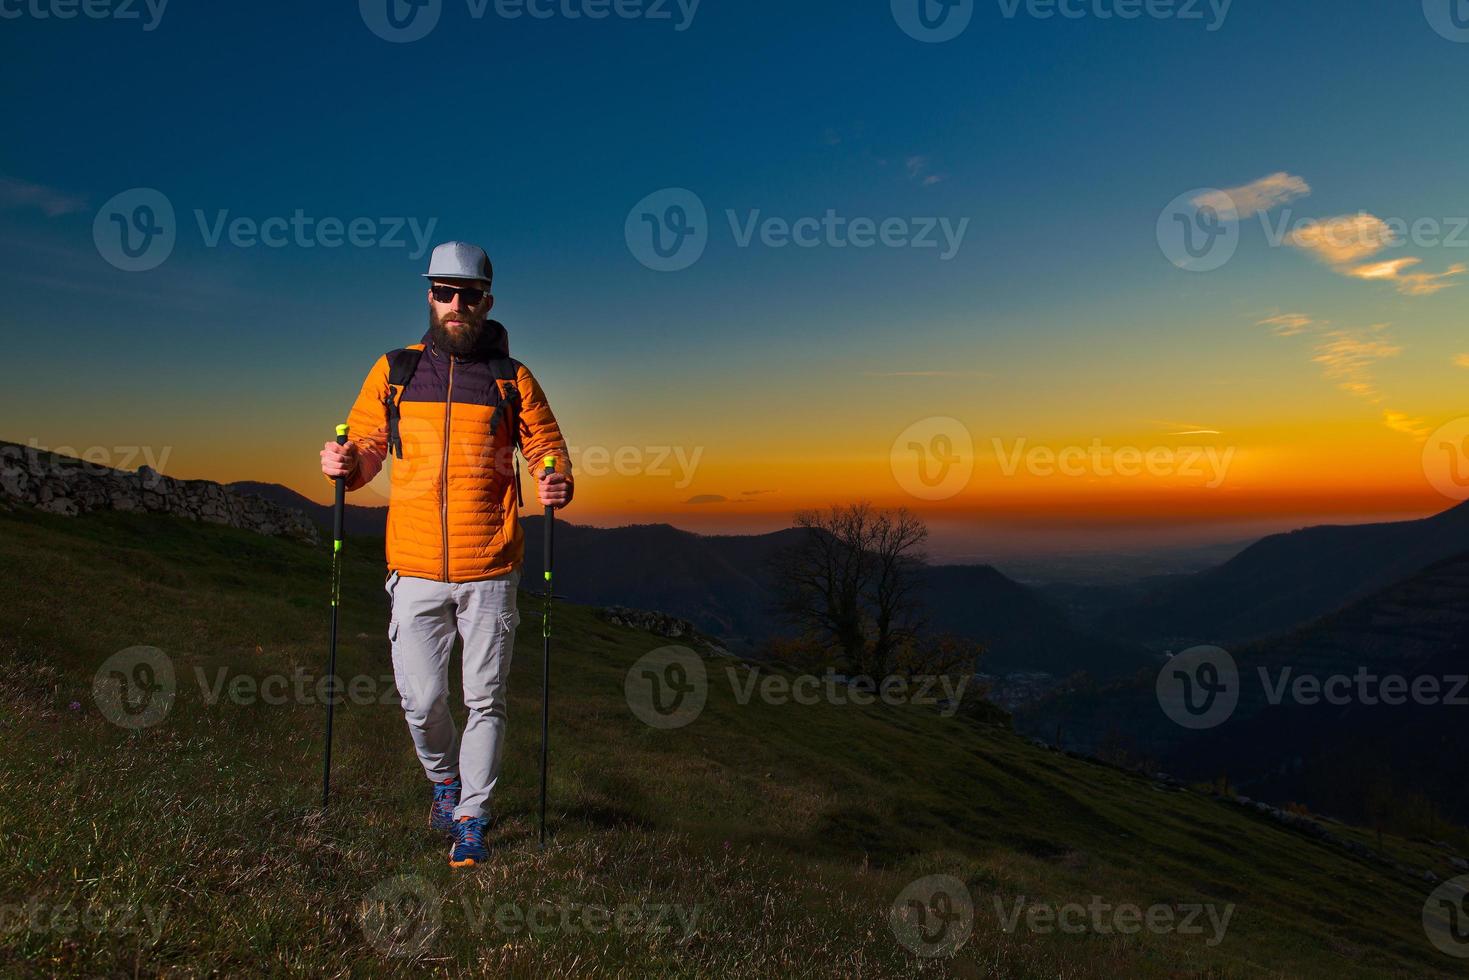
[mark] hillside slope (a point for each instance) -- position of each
(1333, 752)
(786, 831)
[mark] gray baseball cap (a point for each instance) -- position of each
(459, 260)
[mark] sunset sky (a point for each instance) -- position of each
(1320, 373)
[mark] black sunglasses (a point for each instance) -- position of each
(446, 294)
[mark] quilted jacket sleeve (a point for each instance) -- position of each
(368, 426)
(540, 435)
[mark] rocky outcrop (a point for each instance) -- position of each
(69, 486)
(659, 624)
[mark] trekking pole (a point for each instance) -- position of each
(338, 510)
(550, 462)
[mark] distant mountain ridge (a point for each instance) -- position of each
(1284, 580)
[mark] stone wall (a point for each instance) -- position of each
(69, 486)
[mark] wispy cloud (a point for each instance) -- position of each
(918, 168)
(1348, 356)
(1185, 428)
(1344, 239)
(1462, 360)
(17, 194)
(1411, 283)
(927, 374)
(1271, 191)
(1407, 424)
(1290, 324)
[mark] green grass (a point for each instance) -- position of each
(783, 833)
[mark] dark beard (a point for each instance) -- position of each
(467, 342)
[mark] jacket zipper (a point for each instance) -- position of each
(444, 492)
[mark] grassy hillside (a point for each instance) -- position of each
(781, 833)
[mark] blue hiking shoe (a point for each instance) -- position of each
(446, 798)
(469, 842)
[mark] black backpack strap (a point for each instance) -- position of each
(402, 363)
(508, 369)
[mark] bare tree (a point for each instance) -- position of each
(853, 581)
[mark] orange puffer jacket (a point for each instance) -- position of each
(452, 514)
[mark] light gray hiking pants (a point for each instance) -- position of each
(426, 617)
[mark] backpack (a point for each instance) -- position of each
(402, 363)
